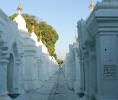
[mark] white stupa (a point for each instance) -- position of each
(22, 26)
(39, 43)
(44, 48)
(34, 37)
(20, 20)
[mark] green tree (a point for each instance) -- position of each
(44, 31)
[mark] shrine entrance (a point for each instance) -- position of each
(10, 78)
(10, 72)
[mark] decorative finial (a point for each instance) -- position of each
(19, 8)
(92, 5)
(32, 25)
(33, 28)
(76, 37)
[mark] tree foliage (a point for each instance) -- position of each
(44, 31)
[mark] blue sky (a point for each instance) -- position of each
(61, 14)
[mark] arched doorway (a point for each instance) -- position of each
(10, 72)
(10, 77)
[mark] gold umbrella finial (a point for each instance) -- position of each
(92, 5)
(32, 25)
(19, 8)
(33, 28)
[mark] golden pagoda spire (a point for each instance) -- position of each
(19, 8)
(33, 28)
(91, 5)
(32, 25)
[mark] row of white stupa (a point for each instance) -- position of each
(71, 67)
(22, 26)
(25, 63)
(91, 66)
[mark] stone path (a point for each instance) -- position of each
(53, 89)
(60, 90)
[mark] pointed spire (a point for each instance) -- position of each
(33, 28)
(32, 25)
(40, 37)
(76, 37)
(91, 5)
(19, 8)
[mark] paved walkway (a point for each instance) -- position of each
(53, 89)
(60, 90)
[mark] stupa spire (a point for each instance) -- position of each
(91, 5)
(33, 28)
(19, 19)
(75, 37)
(19, 8)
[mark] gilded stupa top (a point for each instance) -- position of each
(92, 5)
(19, 8)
